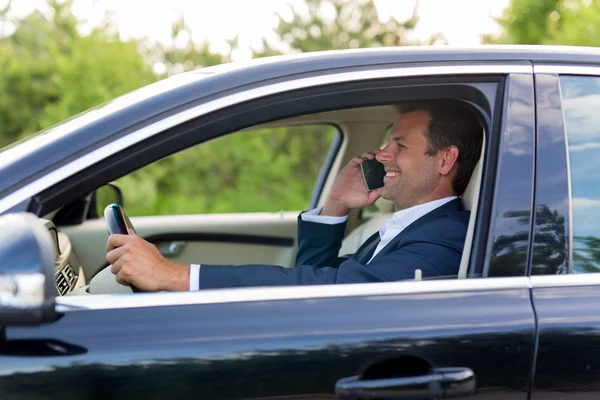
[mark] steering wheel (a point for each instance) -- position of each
(117, 222)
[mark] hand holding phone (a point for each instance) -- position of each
(373, 172)
(117, 222)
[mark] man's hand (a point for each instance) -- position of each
(349, 190)
(139, 263)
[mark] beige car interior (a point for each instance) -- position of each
(363, 129)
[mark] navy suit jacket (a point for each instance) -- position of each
(433, 244)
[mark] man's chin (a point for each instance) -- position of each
(385, 193)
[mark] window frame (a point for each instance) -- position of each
(46, 190)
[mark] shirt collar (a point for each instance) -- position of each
(403, 218)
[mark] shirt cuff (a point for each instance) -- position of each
(313, 216)
(194, 277)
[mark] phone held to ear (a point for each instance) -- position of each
(373, 173)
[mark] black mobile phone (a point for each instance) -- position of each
(373, 173)
(117, 221)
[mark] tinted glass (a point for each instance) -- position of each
(581, 104)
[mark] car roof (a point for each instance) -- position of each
(437, 53)
(98, 125)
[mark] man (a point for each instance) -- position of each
(431, 153)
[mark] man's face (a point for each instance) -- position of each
(412, 176)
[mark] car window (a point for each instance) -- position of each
(581, 104)
(258, 170)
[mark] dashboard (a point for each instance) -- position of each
(68, 272)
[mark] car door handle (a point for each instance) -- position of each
(438, 383)
(173, 249)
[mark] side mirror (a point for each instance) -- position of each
(27, 256)
(110, 194)
(107, 194)
(90, 206)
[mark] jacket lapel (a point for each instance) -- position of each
(452, 206)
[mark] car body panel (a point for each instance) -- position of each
(512, 199)
(551, 247)
(568, 346)
(273, 347)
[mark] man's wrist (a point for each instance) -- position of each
(177, 278)
(335, 208)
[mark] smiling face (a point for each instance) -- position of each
(414, 176)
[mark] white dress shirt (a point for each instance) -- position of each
(403, 218)
(400, 220)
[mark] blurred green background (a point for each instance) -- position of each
(50, 71)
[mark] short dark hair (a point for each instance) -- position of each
(452, 124)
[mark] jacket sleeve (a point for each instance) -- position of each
(319, 244)
(433, 257)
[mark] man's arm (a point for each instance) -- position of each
(320, 236)
(319, 243)
(135, 261)
(433, 259)
(435, 249)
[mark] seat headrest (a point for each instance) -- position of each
(472, 191)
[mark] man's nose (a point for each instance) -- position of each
(382, 155)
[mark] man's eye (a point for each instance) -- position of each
(401, 146)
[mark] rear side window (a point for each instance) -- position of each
(581, 105)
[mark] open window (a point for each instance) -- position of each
(359, 112)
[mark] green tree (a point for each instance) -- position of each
(183, 54)
(342, 24)
(51, 72)
(561, 22)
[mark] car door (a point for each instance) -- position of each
(263, 343)
(565, 260)
(400, 339)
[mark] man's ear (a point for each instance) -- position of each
(449, 156)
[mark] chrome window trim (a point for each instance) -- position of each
(261, 294)
(550, 281)
(566, 69)
(62, 173)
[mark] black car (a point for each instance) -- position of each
(521, 320)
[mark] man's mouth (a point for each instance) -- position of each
(390, 175)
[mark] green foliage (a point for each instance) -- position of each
(51, 72)
(251, 171)
(560, 22)
(342, 24)
(182, 58)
